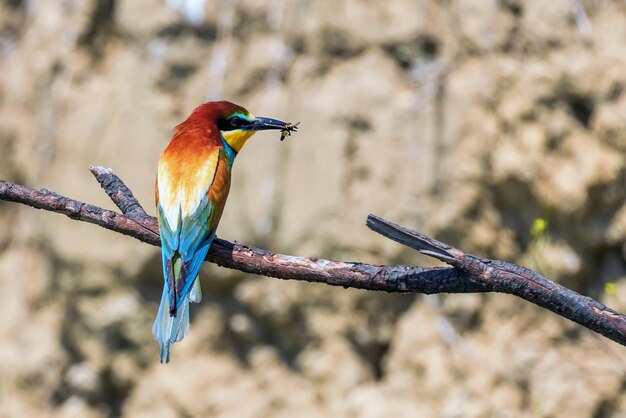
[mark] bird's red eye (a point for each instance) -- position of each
(234, 122)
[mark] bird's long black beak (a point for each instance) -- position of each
(264, 124)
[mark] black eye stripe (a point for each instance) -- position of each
(231, 124)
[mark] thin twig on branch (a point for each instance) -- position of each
(468, 274)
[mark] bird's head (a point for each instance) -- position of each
(236, 124)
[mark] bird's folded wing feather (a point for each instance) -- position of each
(185, 214)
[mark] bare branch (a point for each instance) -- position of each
(503, 277)
(469, 274)
(119, 193)
(247, 258)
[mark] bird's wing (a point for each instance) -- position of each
(185, 214)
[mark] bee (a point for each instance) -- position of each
(288, 130)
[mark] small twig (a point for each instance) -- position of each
(469, 274)
(118, 192)
(420, 242)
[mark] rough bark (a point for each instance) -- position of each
(468, 274)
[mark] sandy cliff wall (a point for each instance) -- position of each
(469, 120)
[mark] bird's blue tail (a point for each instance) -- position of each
(167, 329)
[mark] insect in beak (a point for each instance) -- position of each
(288, 130)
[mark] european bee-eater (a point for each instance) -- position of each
(192, 185)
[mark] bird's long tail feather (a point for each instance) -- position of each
(168, 329)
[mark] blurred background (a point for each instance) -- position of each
(498, 126)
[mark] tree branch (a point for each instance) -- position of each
(503, 277)
(468, 274)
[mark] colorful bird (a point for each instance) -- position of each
(192, 185)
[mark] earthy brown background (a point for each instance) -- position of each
(469, 120)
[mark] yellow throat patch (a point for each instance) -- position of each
(235, 139)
